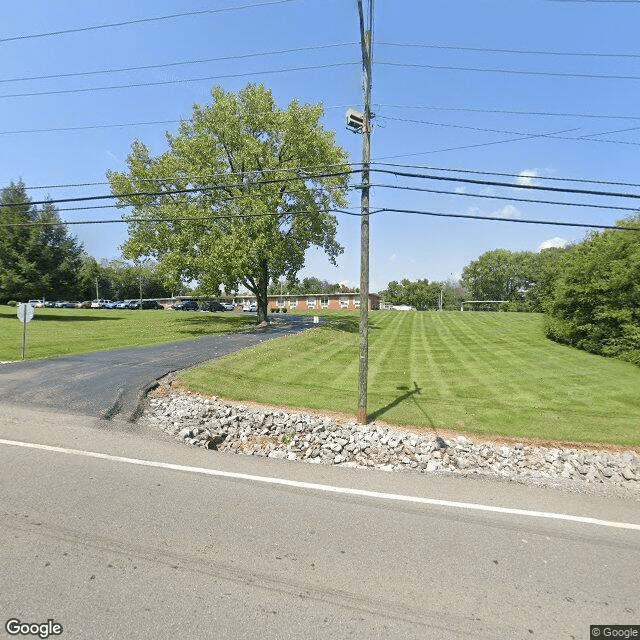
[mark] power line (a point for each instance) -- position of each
(591, 54)
(87, 127)
(59, 223)
(508, 198)
(326, 167)
(340, 211)
(158, 83)
(517, 220)
(170, 192)
(495, 183)
(300, 175)
(225, 174)
(142, 20)
(124, 124)
(175, 64)
(508, 175)
(557, 74)
(554, 114)
(544, 135)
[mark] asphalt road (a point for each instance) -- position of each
(114, 534)
(110, 384)
(158, 540)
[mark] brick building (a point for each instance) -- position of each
(317, 301)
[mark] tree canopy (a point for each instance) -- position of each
(243, 191)
(422, 294)
(38, 260)
(595, 304)
(523, 279)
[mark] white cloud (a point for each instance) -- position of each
(460, 190)
(508, 211)
(553, 243)
(392, 257)
(527, 177)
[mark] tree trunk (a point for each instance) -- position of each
(262, 300)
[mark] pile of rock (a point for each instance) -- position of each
(213, 424)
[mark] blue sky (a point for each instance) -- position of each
(441, 93)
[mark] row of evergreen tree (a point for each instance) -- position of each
(39, 259)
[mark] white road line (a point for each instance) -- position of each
(327, 488)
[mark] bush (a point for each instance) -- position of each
(272, 310)
(595, 303)
(284, 310)
(12, 303)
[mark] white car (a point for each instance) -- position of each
(250, 306)
(36, 303)
(228, 306)
(99, 304)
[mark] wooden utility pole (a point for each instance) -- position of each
(365, 40)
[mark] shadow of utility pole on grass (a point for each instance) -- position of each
(410, 393)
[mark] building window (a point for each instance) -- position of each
(311, 302)
(280, 303)
(293, 303)
(356, 302)
(344, 302)
(325, 302)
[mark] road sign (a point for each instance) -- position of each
(25, 312)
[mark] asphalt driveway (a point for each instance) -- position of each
(110, 384)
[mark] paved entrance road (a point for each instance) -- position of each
(107, 384)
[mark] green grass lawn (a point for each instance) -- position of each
(55, 332)
(486, 373)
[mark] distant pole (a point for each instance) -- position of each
(365, 41)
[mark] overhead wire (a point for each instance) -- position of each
(537, 52)
(157, 83)
(167, 65)
(558, 223)
(557, 74)
(506, 198)
(553, 114)
(554, 136)
(507, 175)
(123, 23)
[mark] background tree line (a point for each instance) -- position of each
(423, 295)
(589, 292)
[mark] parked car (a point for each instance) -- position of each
(124, 304)
(250, 306)
(228, 306)
(146, 304)
(84, 305)
(65, 304)
(187, 305)
(36, 303)
(112, 305)
(99, 304)
(211, 305)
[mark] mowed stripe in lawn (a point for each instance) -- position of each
(490, 373)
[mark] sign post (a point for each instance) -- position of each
(25, 314)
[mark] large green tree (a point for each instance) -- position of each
(257, 183)
(38, 256)
(498, 275)
(524, 279)
(596, 299)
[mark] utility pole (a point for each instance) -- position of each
(365, 41)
